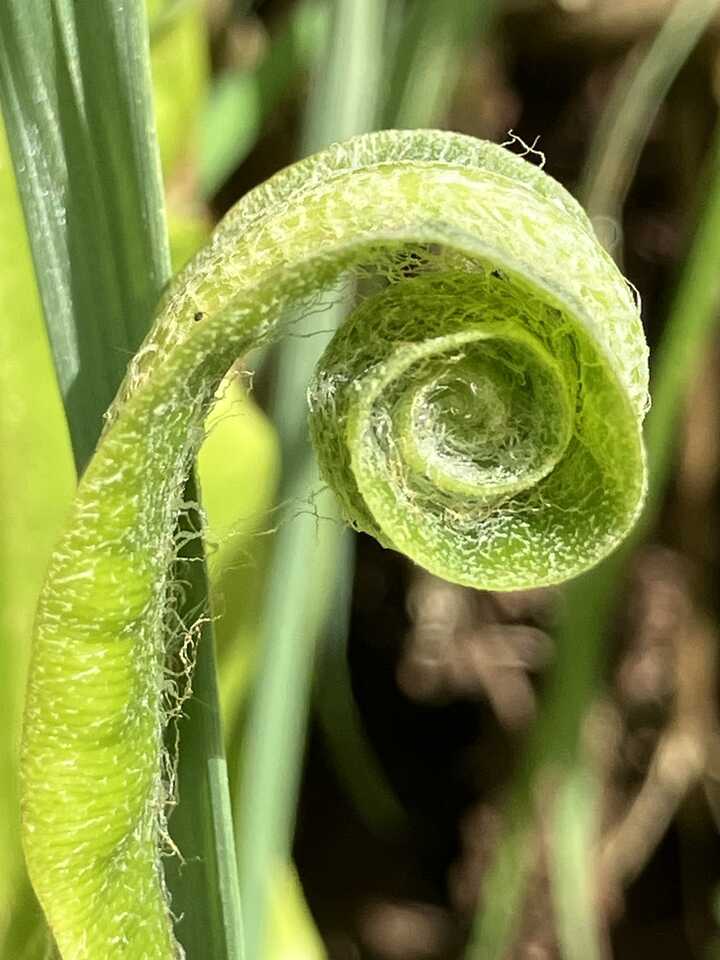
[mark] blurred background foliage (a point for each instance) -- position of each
(420, 771)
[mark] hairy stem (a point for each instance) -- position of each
(479, 410)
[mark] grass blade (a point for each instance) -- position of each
(572, 829)
(90, 187)
(692, 318)
(630, 112)
(204, 884)
(355, 762)
(342, 103)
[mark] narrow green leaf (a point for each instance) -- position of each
(241, 102)
(90, 186)
(355, 763)
(572, 830)
(630, 112)
(238, 493)
(692, 318)
(429, 58)
(203, 878)
(343, 102)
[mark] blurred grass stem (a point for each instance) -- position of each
(630, 111)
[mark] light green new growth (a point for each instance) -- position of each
(480, 411)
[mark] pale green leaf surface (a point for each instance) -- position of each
(179, 60)
(238, 470)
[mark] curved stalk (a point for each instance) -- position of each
(481, 411)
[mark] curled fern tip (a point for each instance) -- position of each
(480, 411)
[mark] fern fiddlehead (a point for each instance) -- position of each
(480, 411)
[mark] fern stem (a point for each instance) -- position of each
(528, 329)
